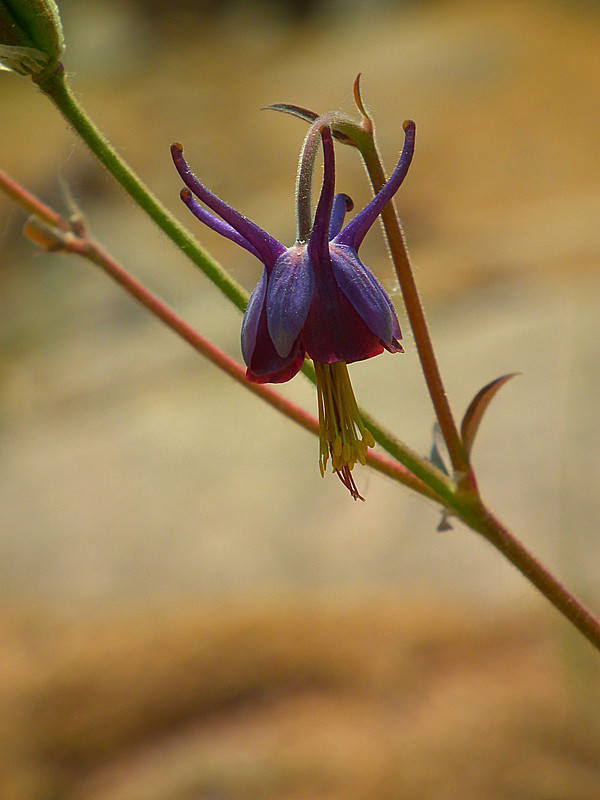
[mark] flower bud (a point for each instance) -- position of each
(31, 36)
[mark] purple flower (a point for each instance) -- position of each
(314, 298)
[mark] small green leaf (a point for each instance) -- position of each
(476, 409)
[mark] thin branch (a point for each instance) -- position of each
(511, 548)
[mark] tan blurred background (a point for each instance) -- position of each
(189, 610)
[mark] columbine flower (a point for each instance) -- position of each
(315, 298)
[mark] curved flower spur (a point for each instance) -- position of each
(315, 298)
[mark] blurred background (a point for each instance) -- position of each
(188, 610)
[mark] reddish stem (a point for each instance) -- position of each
(30, 202)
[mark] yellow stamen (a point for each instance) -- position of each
(342, 434)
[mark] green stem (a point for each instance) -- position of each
(419, 466)
(57, 89)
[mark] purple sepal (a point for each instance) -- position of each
(356, 230)
(264, 244)
(252, 316)
(264, 363)
(366, 294)
(289, 294)
(216, 224)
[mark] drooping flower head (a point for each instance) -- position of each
(315, 298)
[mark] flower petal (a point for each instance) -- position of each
(366, 295)
(342, 203)
(216, 224)
(289, 294)
(334, 331)
(356, 230)
(264, 363)
(251, 319)
(282, 375)
(268, 247)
